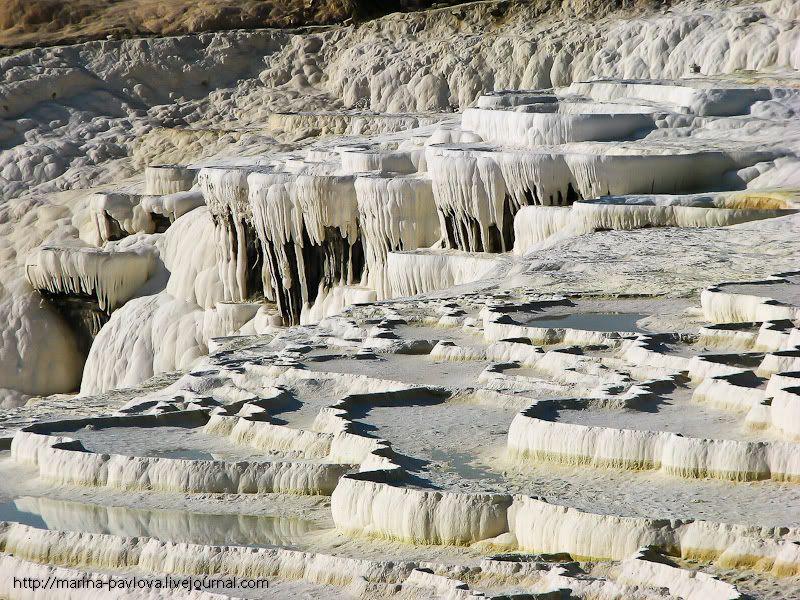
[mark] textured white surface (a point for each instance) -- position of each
(304, 176)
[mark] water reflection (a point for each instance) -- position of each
(168, 525)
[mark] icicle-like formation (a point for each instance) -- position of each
(240, 258)
(395, 214)
(160, 180)
(308, 228)
(86, 284)
(279, 226)
(328, 201)
(479, 189)
(630, 171)
(111, 277)
(538, 178)
(470, 195)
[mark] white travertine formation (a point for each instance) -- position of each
(449, 351)
(64, 461)
(559, 367)
(381, 510)
(38, 352)
(411, 273)
(346, 122)
(704, 366)
(774, 336)
(774, 407)
(168, 330)
(173, 206)
(154, 556)
(161, 180)
(718, 391)
(785, 410)
(355, 159)
(548, 125)
(117, 214)
(535, 224)
(360, 505)
(309, 232)
(335, 300)
(225, 192)
(496, 328)
(542, 527)
(165, 524)
(423, 581)
(395, 214)
(94, 585)
(778, 362)
(618, 161)
(110, 276)
(781, 381)
(329, 441)
(531, 437)
(479, 189)
(640, 351)
(503, 99)
(739, 336)
(640, 569)
(270, 437)
(193, 269)
(722, 306)
(359, 578)
(702, 98)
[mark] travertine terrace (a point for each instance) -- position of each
(487, 301)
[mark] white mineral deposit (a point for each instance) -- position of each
(456, 300)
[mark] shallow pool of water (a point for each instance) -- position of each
(779, 290)
(674, 412)
(591, 321)
(167, 525)
(187, 443)
(464, 466)
(9, 511)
